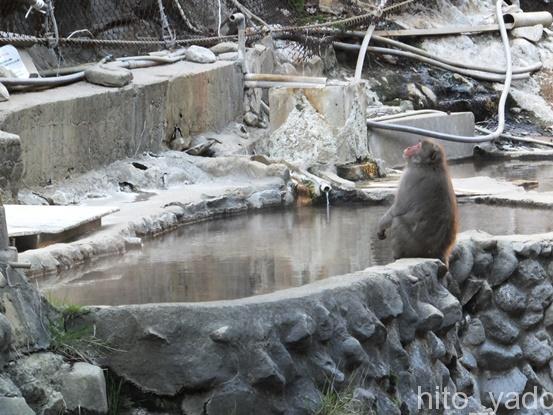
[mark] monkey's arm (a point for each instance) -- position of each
(384, 223)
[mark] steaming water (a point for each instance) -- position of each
(259, 253)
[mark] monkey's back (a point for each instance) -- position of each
(425, 214)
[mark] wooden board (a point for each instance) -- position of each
(36, 226)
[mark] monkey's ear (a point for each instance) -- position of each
(434, 155)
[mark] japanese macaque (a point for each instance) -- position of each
(423, 220)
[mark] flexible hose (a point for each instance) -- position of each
(53, 81)
(501, 107)
(480, 68)
(482, 76)
(363, 52)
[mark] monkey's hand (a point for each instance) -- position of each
(382, 234)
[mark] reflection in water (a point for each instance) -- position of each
(260, 253)
(541, 171)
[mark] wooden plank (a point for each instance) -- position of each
(49, 220)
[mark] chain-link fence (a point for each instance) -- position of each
(70, 32)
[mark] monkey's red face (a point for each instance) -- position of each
(411, 151)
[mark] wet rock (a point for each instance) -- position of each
(530, 319)
(109, 75)
(300, 332)
(231, 56)
(548, 320)
(84, 388)
(510, 299)
(470, 289)
(430, 317)
(535, 351)
(541, 296)
(238, 399)
(326, 368)
(251, 119)
(531, 33)
(5, 339)
(483, 262)
(463, 380)
(444, 301)
(502, 386)
(475, 334)
(500, 327)
(437, 347)
(200, 54)
(324, 321)
(224, 47)
(354, 354)
(363, 324)
(469, 361)
(533, 379)
(263, 371)
(384, 405)
(494, 356)
(504, 265)
(530, 272)
(482, 299)
(264, 199)
(461, 262)
(384, 298)
(15, 406)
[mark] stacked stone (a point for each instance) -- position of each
(387, 331)
(505, 287)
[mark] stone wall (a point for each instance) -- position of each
(381, 337)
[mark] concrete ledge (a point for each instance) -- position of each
(76, 128)
(389, 145)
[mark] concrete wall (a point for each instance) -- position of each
(73, 129)
(389, 145)
(11, 166)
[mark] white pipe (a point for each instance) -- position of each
(481, 68)
(484, 76)
(268, 84)
(501, 107)
(363, 53)
(284, 78)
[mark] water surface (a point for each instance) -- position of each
(259, 253)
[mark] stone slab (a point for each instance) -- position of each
(389, 145)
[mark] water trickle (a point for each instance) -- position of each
(327, 193)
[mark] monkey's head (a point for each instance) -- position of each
(426, 152)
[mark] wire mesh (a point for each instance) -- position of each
(71, 32)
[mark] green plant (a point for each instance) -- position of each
(297, 5)
(76, 342)
(114, 386)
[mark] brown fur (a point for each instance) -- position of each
(423, 220)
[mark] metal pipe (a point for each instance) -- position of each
(269, 84)
(284, 78)
(240, 20)
(501, 106)
(484, 76)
